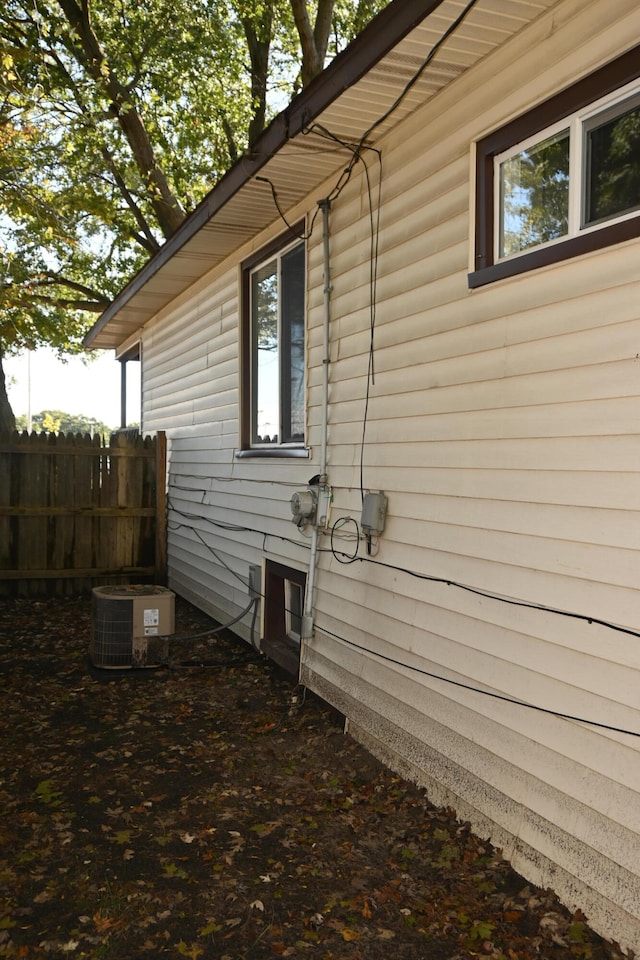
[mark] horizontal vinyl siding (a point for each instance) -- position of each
(504, 426)
(191, 362)
(224, 513)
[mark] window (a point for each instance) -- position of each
(284, 589)
(274, 349)
(131, 386)
(563, 179)
(532, 195)
(293, 605)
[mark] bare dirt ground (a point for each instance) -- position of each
(214, 811)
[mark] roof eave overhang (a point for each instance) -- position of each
(379, 37)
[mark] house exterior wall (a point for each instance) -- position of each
(224, 513)
(503, 426)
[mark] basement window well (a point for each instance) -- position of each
(284, 589)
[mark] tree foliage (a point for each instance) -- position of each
(614, 185)
(116, 118)
(57, 421)
(535, 191)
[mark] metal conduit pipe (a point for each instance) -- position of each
(309, 599)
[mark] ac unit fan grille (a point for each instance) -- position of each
(112, 634)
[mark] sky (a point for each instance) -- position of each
(84, 387)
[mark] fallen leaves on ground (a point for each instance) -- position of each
(206, 811)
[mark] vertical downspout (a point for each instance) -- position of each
(309, 599)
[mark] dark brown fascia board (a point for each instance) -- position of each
(391, 25)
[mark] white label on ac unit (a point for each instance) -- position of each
(151, 631)
(151, 617)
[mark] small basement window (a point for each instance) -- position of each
(284, 589)
(293, 609)
(557, 183)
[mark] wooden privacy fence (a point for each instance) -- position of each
(75, 513)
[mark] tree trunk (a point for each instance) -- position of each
(313, 40)
(7, 419)
(258, 35)
(91, 57)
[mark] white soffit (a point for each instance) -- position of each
(302, 159)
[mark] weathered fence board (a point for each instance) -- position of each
(74, 512)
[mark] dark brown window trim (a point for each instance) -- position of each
(295, 232)
(604, 81)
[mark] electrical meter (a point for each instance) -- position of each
(303, 505)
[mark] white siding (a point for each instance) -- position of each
(504, 426)
(224, 513)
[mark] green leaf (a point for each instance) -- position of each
(577, 932)
(46, 794)
(172, 870)
(482, 930)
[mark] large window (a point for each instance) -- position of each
(563, 179)
(274, 349)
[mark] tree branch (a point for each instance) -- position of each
(91, 57)
(313, 40)
(259, 45)
(89, 306)
(145, 238)
(96, 303)
(53, 278)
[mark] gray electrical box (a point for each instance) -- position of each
(374, 512)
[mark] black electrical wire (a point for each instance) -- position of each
(350, 558)
(234, 528)
(179, 474)
(356, 149)
(253, 657)
(274, 194)
(432, 578)
(486, 693)
(508, 600)
(218, 629)
(231, 662)
(451, 29)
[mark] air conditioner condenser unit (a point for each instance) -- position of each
(130, 626)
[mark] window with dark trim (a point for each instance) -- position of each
(563, 179)
(284, 589)
(273, 348)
